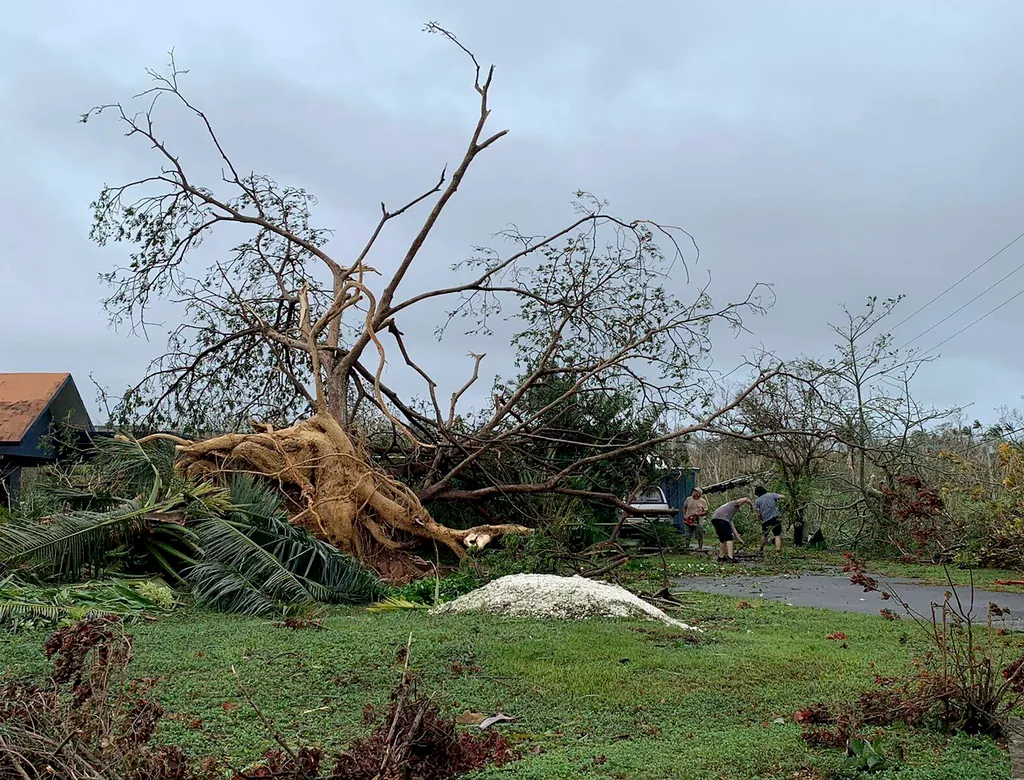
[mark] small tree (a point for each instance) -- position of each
(789, 423)
(876, 417)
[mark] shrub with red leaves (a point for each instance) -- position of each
(301, 624)
(816, 714)
(101, 720)
(415, 741)
(919, 511)
(1014, 676)
(858, 576)
(821, 736)
(70, 647)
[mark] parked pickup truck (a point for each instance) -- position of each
(650, 506)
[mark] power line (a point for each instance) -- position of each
(972, 324)
(959, 281)
(964, 306)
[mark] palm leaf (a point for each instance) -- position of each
(222, 587)
(332, 575)
(15, 609)
(394, 604)
(255, 547)
(135, 469)
(80, 498)
(68, 543)
(207, 498)
(26, 602)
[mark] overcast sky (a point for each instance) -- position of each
(832, 149)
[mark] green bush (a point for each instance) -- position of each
(435, 590)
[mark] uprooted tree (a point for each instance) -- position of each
(290, 333)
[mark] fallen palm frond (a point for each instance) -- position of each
(255, 562)
(25, 605)
(395, 604)
(233, 546)
(73, 542)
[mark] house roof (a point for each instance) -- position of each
(23, 398)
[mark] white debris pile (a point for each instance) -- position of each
(558, 598)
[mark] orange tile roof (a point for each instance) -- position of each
(23, 397)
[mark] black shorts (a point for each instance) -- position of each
(723, 528)
(775, 526)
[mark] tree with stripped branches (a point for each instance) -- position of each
(289, 333)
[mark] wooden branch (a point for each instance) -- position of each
(461, 391)
(160, 437)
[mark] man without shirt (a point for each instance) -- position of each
(694, 510)
(767, 506)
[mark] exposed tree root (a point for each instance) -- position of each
(336, 493)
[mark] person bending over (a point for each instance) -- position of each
(767, 506)
(726, 529)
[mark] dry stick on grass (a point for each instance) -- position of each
(267, 723)
(389, 748)
(614, 564)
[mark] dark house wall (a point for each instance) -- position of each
(65, 406)
(31, 446)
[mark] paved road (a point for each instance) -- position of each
(835, 592)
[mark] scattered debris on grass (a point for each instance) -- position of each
(495, 719)
(663, 638)
(414, 740)
(89, 720)
(301, 624)
(559, 598)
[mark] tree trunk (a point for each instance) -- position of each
(336, 493)
(798, 527)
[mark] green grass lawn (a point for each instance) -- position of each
(601, 698)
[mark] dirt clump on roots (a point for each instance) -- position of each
(334, 491)
(558, 598)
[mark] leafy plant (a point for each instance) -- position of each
(866, 755)
(438, 590)
(395, 604)
(971, 679)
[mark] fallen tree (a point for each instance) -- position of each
(291, 337)
(335, 491)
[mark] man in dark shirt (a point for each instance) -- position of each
(767, 506)
(724, 527)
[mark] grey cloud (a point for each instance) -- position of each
(835, 150)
